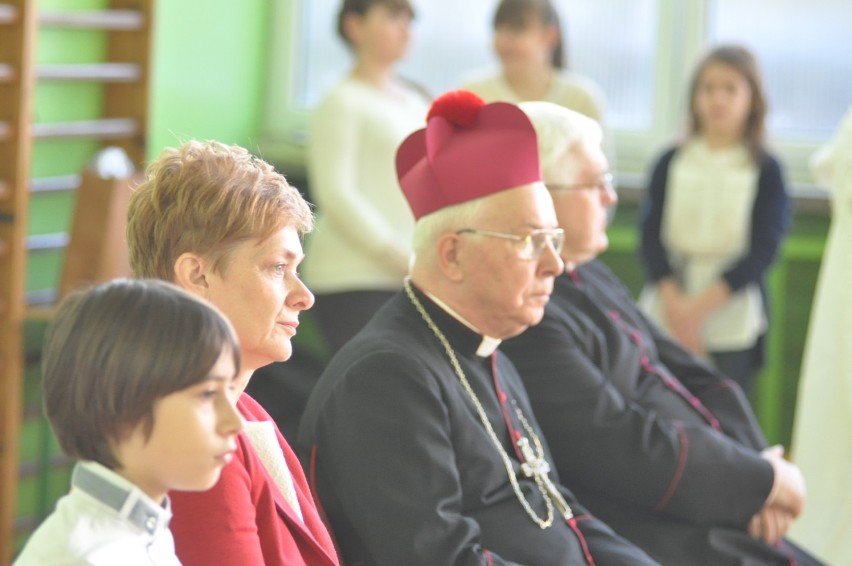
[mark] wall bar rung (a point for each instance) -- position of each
(101, 129)
(94, 19)
(56, 184)
(104, 72)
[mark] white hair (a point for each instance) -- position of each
(558, 130)
(429, 228)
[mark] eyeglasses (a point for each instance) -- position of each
(531, 245)
(604, 184)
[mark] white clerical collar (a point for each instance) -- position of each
(488, 345)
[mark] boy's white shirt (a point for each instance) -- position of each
(104, 520)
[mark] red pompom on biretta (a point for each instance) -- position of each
(467, 150)
(459, 107)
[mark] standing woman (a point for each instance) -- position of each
(360, 251)
(529, 41)
(714, 217)
(822, 429)
(227, 227)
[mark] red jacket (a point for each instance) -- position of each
(244, 519)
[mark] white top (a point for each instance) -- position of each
(104, 520)
(362, 239)
(706, 228)
(822, 429)
(262, 436)
(568, 89)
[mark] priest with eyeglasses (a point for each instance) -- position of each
(419, 436)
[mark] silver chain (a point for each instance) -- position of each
(539, 480)
(536, 464)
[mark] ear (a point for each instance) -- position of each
(551, 36)
(352, 28)
(191, 274)
(448, 250)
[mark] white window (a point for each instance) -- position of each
(641, 52)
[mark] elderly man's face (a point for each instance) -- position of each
(581, 195)
(506, 291)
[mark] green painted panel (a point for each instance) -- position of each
(61, 157)
(208, 72)
(60, 102)
(51, 213)
(52, 45)
(51, 5)
(43, 270)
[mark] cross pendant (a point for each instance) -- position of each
(532, 465)
(536, 467)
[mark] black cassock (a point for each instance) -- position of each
(404, 468)
(651, 438)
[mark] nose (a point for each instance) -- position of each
(549, 263)
(608, 196)
(300, 297)
(229, 420)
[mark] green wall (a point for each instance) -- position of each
(208, 71)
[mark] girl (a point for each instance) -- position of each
(528, 40)
(713, 220)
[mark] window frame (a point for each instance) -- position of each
(681, 32)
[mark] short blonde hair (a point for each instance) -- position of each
(206, 198)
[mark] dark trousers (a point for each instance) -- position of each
(741, 365)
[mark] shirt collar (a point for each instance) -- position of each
(487, 346)
(122, 496)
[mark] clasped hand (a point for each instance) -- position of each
(785, 502)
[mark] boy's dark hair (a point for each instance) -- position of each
(361, 7)
(114, 349)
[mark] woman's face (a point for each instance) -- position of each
(520, 47)
(382, 34)
(260, 292)
(722, 101)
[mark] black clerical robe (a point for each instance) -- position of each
(651, 438)
(405, 470)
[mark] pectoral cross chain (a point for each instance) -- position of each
(536, 467)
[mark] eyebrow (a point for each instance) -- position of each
(293, 256)
(532, 226)
(221, 377)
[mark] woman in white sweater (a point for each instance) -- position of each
(360, 250)
(530, 43)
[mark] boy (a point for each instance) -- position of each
(138, 380)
